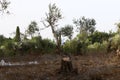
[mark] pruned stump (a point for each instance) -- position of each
(66, 65)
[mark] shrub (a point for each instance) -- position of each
(97, 47)
(8, 48)
(115, 42)
(1, 53)
(70, 46)
(48, 45)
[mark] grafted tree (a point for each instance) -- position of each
(17, 36)
(32, 28)
(51, 20)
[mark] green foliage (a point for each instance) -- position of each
(51, 20)
(8, 48)
(67, 31)
(70, 46)
(118, 27)
(75, 46)
(87, 41)
(86, 28)
(85, 25)
(1, 52)
(2, 39)
(99, 37)
(53, 16)
(45, 45)
(38, 42)
(114, 42)
(81, 47)
(97, 47)
(25, 46)
(82, 36)
(32, 28)
(48, 45)
(83, 41)
(17, 36)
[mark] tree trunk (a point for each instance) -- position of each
(58, 43)
(66, 65)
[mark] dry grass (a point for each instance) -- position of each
(90, 67)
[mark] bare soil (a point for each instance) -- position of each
(90, 67)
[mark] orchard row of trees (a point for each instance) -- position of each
(88, 39)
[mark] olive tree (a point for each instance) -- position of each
(32, 28)
(67, 31)
(85, 25)
(51, 20)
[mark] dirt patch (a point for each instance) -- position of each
(90, 67)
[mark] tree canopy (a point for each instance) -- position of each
(32, 28)
(51, 20)
(67, 31)
(85, 25)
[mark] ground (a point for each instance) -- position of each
(90, 67)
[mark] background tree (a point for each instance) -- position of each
(114, 41)
(17, 36)
(85, 25)
(67, 31)
(51, 20)
(99, 37)
(32, 28)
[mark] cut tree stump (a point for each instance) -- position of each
(66, 65)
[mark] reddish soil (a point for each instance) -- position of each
(90, 67)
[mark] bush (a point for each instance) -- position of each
(8, 48)
(48, 46)
(97, 47)
(115, 42)
(98, 37)
(26, 47)
(1, 53)
(75, 46)
(70, 46)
